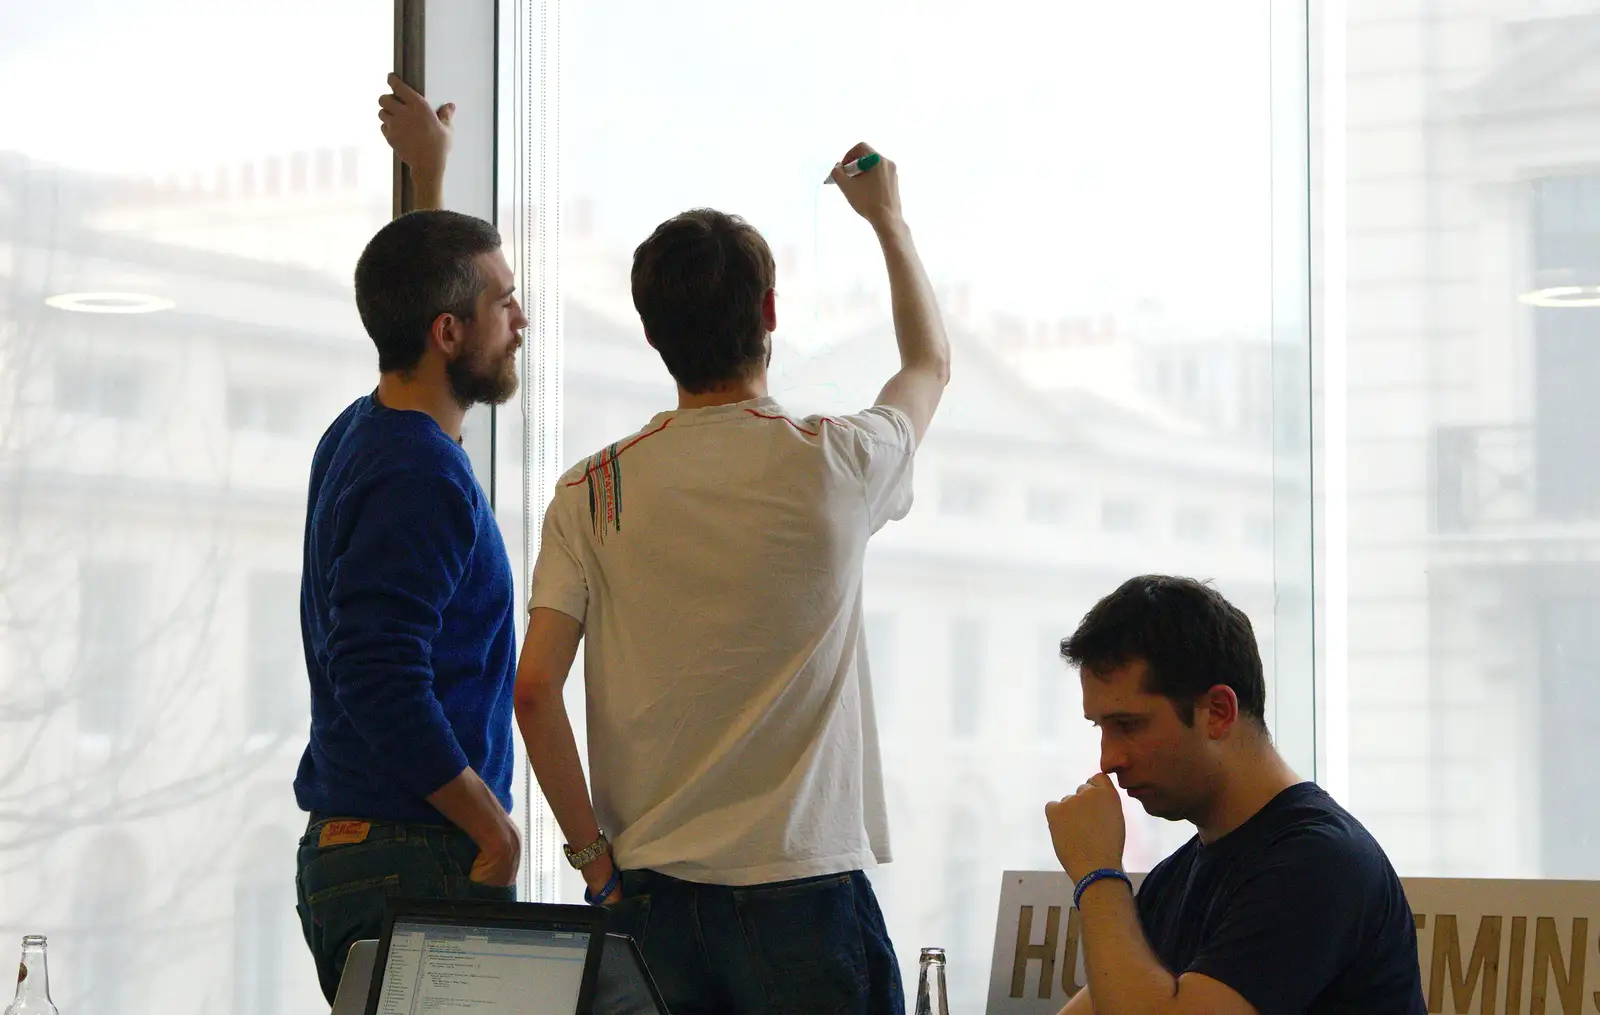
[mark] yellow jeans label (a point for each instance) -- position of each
(344, 833)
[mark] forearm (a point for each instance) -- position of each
(428, 190)
(917, 326)
(553, 753)
(1124, 976)
(470, 805)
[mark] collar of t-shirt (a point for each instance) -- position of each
(712, 413)
(1255, 826)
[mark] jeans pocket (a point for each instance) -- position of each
(805, 942)
(337, 916)
(383, 886)
(631, 916)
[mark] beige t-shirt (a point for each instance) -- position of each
(715, 559)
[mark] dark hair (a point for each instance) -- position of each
(1190, 637)
(418, 267)
(698, 284)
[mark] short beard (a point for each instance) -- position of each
(473, 384)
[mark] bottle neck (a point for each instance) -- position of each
(33, 977)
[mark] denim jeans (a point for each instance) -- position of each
(341, 890)
(815, 946)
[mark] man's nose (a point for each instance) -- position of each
(1112, 759)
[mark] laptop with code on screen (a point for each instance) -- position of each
(494, 958)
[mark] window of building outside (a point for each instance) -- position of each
(1193, 524)
(1258, 532)
(267, 940)
(277, 700)
(1060, 313)
(1056, 688)
(111, 637)
(967, 686)
(966, 921)
(1048, 505)
(1473, 357)
(101, 389)
(270, 410)
(143, 624)
(106, 970)
(963, 496)
(1121, 515)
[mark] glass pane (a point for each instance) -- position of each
(178, 229)
(1473, 349)
(1093, 201)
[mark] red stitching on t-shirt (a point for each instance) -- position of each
(591, 469)
(797, 426)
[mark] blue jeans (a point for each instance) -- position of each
(815, 946)
(341, 890)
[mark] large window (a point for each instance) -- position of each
(1100, 193)
(1090, 188)
(1465, 413)
(182, 198)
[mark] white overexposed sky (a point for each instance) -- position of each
(1060, 157)
(142, 87)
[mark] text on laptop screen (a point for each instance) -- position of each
(435, 967)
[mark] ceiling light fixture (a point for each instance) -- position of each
(109, 303)
(1564, 296)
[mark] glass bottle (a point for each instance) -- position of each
(33, 981)
(931, 999)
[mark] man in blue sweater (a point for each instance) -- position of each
(406, 604)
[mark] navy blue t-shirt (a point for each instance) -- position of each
(1297, 909)
(407, 615)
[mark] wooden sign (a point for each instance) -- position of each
(1485, 947)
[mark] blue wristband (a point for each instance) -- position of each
(1098, 875)
(599, 898)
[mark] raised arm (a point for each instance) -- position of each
(420, 135)
(924, 349)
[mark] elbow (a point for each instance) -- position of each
(935, 365)
(532, 695)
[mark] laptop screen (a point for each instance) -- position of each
(436, 966)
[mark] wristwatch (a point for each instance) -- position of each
(581, 858)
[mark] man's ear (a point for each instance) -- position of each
(1218, 709)
(446, 334)
(769, 310)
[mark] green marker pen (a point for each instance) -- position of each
(859, 166)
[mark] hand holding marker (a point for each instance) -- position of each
(871, 183)
(857, 166)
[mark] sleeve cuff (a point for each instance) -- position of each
(573, 606)
(431, 766)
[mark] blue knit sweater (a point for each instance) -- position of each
(407, 614)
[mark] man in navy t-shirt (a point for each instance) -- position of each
(407, 609)
(1283, 903)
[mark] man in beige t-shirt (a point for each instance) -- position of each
(711, 566)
